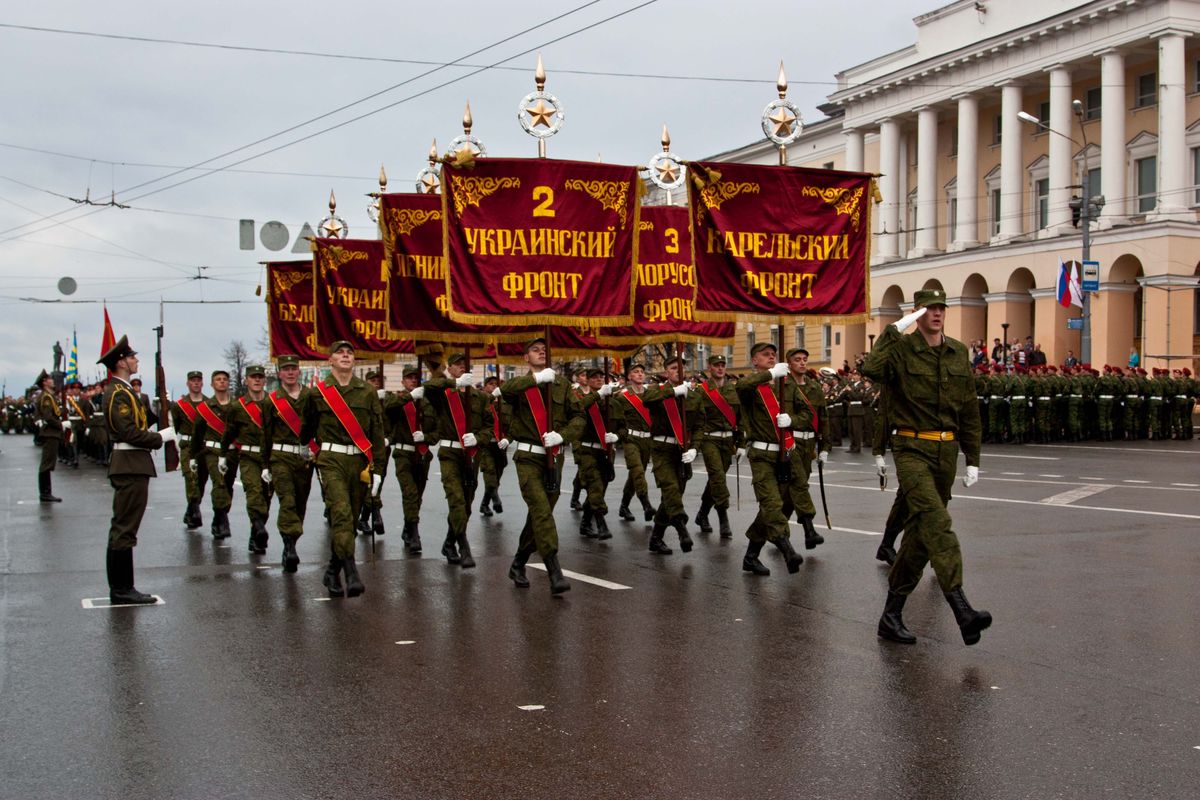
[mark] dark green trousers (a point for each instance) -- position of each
(491, 464)
(130, 493)
(926, 471)
(540, 533)
(774, 499)
(718, 456)
(591, 478)
(292, 477)
(637, 456)
(802, 465)
(460, 476)
(371, 501)
(49, 454)
(256, 490)
(667, 467)
(344, 490)
(194, 481)
(412, 473)
(222, 485)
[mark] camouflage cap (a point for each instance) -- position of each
(454, 358)
(373, 374)
(595, 372)
(794, 351)
(758, 348)
(412, 372)
(339, 344)
(194, 374)
(929, 297)
(256, 371)
(634, 366)
(715, 360)
(217, 372)
(536, 340)
(287, 361)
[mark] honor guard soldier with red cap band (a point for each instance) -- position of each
(183, 417)
(719, 441)
(48, 419)
(932, 404)
(244, 430)
(287, 455)
(129, 471)
(539, 429)
(406, 419)
(206, 446)
(675, 419)
(346, 417)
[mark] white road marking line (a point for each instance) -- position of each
(166, 517)
(1189, 485)
(406, 641)
(586, 578)
(322, 599)
(20, 502)
(1131, 480)
(1078, 493)
(533, 708)
(104, 602)
(263, 566)
(847, 530)
(1031, 458)
(1049, 476)
(1089, 478)
(1122, 449)
(1145, 484)
(1010, 473)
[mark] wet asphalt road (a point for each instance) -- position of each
(695, 681)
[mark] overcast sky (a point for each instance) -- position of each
(153, 108)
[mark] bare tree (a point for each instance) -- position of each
(236, 358)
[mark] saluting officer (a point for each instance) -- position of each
(287, 457)
(719, 441)
(244, 427)
(184, 414)
(129, 471)
(933, 406)
(675, 418)
(48, 418)
(593, 454)
(206, 446)
(405, 419)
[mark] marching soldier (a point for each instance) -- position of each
(370, 519)
(49, 435)
(244, 429)
(345, 415)
(719, 441)
(629, 408)
(207, 433)
(805, 414)
(579, 385)
(129, 472)
(594, 454)
(539, 457)
(768, 441)
(184, 413)
(675, 418)
(287, 456)
(932, 403)
(464, 422)
(894, 526)
(493, 457)
(410, 451)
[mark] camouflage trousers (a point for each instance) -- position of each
(718, 457)
(257, 491)
(344, 490)
(412, 473)
(195, 480)
(774, 499)
(637, 456)
(926, 471)
(222, 485)
(539, 533)
(670, 476)
(802, 466)
(292, 479)
(460, 477)
(592, 465)
(491, 464)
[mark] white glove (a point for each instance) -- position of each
(381, 393)
(611, 438)
(606, 389)
(376, 484)
(682, 389)
(192, 465)
(496, 393)
(222, 466)
(783, 420)
(469, 440)
(417, 393)
(904, 322)
(502, 444)
(972, 477)
(779, 371)
(465, 380)
(266, 476)
(823, 456)
(167, 434)
(688, 456)
(552, 439)
(880, 466)
(546, 375)
(740, 453)
(306, 453)
(418, 436)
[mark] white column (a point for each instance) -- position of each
(927, 188)
(902, 194)
(966, 232)
(1059, 211)
(1173, 174)
(1012, 187)
(1112, 139)
(889, 186)
(855, 158)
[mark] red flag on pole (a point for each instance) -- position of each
(107, 339)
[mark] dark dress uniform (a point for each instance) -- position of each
(50, 433)
(666, 451)
(78, 412)
(242, 430)
(635, 445)
(411, 457)
(717, 442)
(288, 457)
(206, 446)
(184, 420)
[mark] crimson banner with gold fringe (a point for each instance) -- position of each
(778, 240)
(411, 228)
(351, 296)
(664, 301)
(290, 310)
(540, 242)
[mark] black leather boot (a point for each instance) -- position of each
(258, 536)
(354, 584)
(811, 537)
(220, 524)
(196, 521)
(887, 548)
(46, 493)
(970, 622)
(414, 539)
(464, 553)
(657, 545)
(685, 539)
(120, 580)
(291, 559)
(794, 559)
(558, 584)
(575, 490)
(702, 514)
(497, 506)
(516, 571)
(333, 577)
(623, 511)
(647, 509)
(377, 521)
(586, 529)
(750, 562)
(891, 624)
(362, 525)
(723, 520)
(485, 507)
(602, 531)
(189, 514)
(450, 548)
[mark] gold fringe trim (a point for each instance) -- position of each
(561, 320)
(663, 338)
(460, 337)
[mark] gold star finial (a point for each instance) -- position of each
(540, 114)
(783, 120)
(668, 171)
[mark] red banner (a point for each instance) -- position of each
(411, 228)
(351, 296)
(540, 242)
(664, 301)
(780, 241)
(290, 310)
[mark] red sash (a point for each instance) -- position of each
(638, 405)
(459, 415)
(598, 423)
(337, 404)
(499, 434)
(722, 404)
(253, 411)
(674, 417)
(211, 419)
(537, 407)
(414, 424)
(772, 403)
(811, 408)
(286, 412)
(188, 410)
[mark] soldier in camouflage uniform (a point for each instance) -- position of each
(370, 519)
(183, 417)
(1020, 399)
(719, 441)
(855, 415)
(1108, 392)
(50, 432)
(493, 457)
(628, 408)
(594, 454)
(211, 419)
(675, 419)
(287, 457)
(804, 407)
(407, 412)
(244, 426)
(933, 405)
(1133, 404)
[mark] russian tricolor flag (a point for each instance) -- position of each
(1069, 291)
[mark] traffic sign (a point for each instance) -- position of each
(1090, 281)
(1075, 324)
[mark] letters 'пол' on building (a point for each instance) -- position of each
(978, 202)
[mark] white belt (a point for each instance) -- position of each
(251, 448)
(455, 445)
(1181, 397)
(344, 449)
(1018, 397)
(184, 437)
(593, 445)
(1077, 395)
(804, 435)
(1045, 398)
(1105, 396)
(1135, 396)
(997, 397)
(407, 448)
(771, 448)
(127, 446)
(856, 402)
(294, 449)
(639, 434)
(666, 439)
(720, 434)
(212, 445)
(531, 448)
(74, 419)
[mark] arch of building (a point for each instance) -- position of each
(968, 317)
(1119, 306)
(1014, 305)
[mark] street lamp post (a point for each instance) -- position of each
(1004, 347)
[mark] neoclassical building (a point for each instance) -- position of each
(977, 201)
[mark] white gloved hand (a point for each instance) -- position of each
(783, 420)
(417, 393)
(192, 465)
(381, 393)
(682, 389)
(418, 436)
(972, 477)
(222, 466)
(546, 375)
(465, 380)
(502, 444)
(266, 476)
(611, 438)
(904, 322)
(823, 456)
(376, 484)
(469, 440)
(740, 453)
(880, 466)
(307, 454)
(607, 389)
(552, 439)
(688, 456)
(779, 371)
(167, 434)
(496, 393)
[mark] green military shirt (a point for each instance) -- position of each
(276, 429)
(201, 430)
(363, 402)
(396, 416)
(565, 413)
(180, 420)
(758, 425)
(691, 418)
(604, 407)
(803, 401)
(625, 416)
(715, 420)
(241, 428)
(477, 408)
